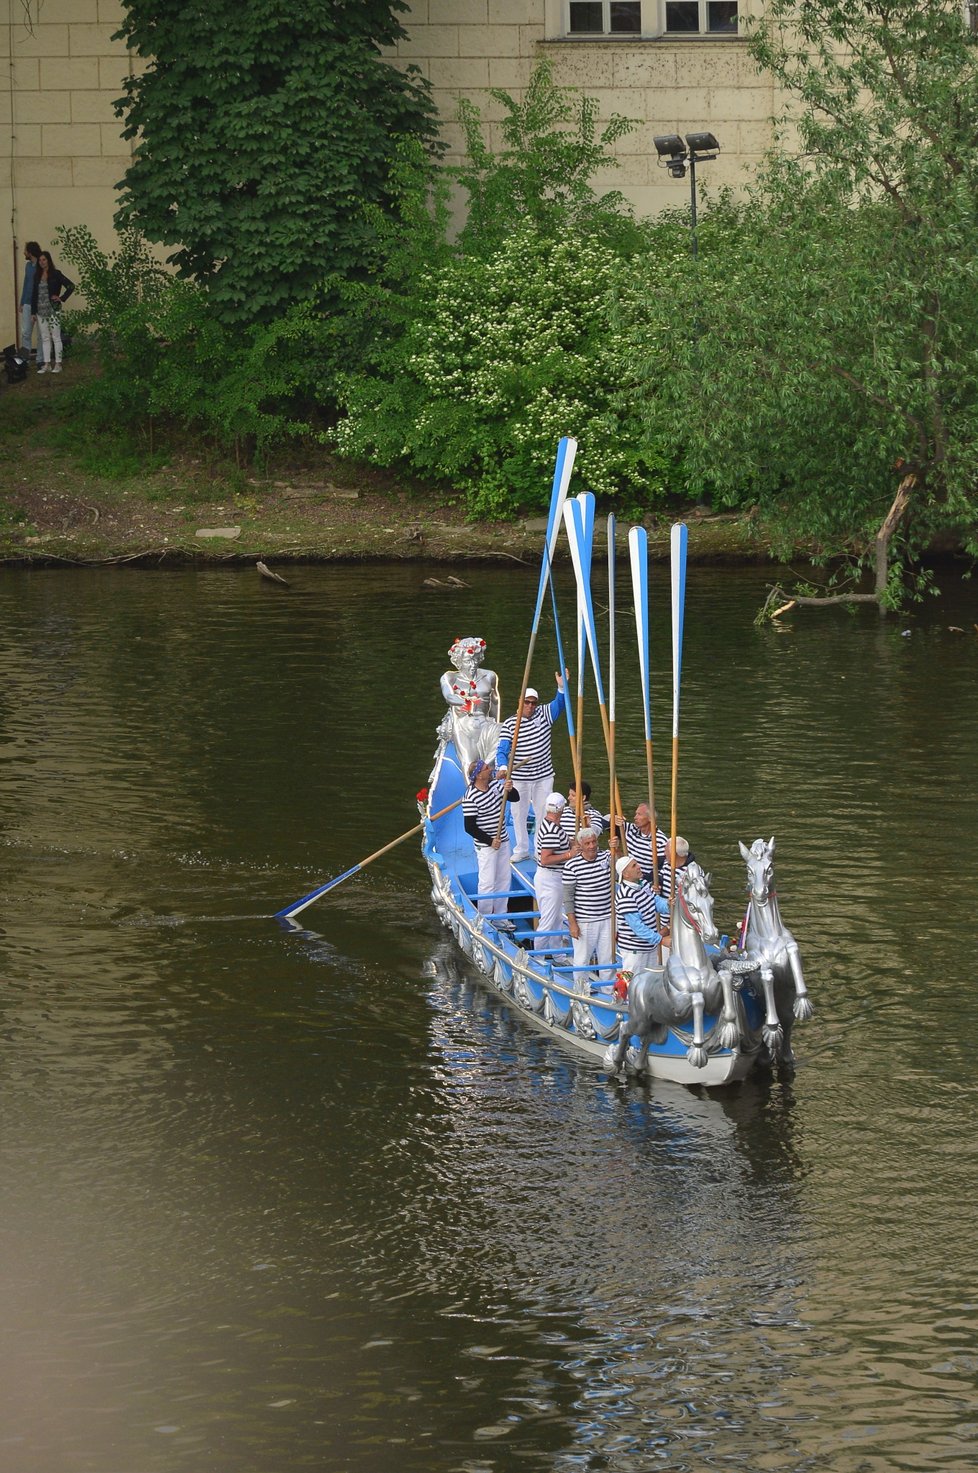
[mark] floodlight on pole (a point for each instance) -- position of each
(676, 155)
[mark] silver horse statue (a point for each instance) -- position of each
(773, 949)
(689, 985)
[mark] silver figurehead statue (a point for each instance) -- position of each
(780, 987)
(472, 695)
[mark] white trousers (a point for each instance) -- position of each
(594, 941)
(549, 887)
(639, 961)
(493, 875)
(531, 791)
(49, 328)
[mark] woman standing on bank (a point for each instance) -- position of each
(51, 289)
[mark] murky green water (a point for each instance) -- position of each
(318, 1202)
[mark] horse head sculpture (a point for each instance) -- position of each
(771, 945)
(688, 986)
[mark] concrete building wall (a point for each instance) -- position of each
(61, 73)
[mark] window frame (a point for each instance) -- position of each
(653, 24)
(704, 15)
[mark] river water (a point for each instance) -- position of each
(317, 1201)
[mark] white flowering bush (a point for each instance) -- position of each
(507, 353)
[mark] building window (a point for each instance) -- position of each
(699, 17)
(653, 17)
(606, 17)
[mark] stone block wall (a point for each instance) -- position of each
(63, 154)
(60, 76)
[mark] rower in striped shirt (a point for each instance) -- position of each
(587, 900)
(554, 847)
(638, 912)
(668, 866)
(532, 760)
(481, 808)
(592, 818)
(638, 840)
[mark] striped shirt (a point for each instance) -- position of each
(551, 836)
(533, 758)
(641, 901)
(593, 819)
(587, 887)
(665, 877)
(481, 810)
(640, 847)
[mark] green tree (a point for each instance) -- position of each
(543, 174)
(824, 353)
(263, 128)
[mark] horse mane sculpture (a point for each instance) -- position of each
(688, 986)
(772, 947)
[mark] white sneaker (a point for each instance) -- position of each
(56, 368)
(43, 368)
(521, 854)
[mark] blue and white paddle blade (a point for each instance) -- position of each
(576, 521)
(638, 557)
(679, 539)
(585, 502)
(612, 528)
(563, 470)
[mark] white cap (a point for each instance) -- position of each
(556, 801)
(530, 692)
(622, 864)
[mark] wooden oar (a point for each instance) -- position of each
(638, 551)
(299, 905)
(575, 517)
(586, 502)
(612, 776)
(563, 469)
(679, 538)
(571, 734)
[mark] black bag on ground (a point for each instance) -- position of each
(14, 364)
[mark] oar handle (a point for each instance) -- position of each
(300, 905)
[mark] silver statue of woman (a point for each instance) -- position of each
(472, 694)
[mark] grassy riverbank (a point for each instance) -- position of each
(68, 496)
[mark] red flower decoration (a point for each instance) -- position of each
(422, 797)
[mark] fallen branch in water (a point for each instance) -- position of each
(266, 572)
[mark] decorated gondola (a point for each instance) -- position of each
(709, 1013)
(706, 1013)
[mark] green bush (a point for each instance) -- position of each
(505, 355)
(166, 360)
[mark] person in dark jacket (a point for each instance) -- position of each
(31, 252)
(51, 289)
(482, 806)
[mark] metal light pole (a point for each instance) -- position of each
(677, 155)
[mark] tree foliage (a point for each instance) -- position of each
(167, 361)
(543, 174)
(524, 331)
(825, 342)
(263, 128)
